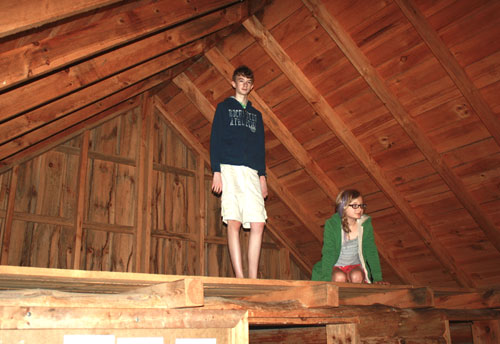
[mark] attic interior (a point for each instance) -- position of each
(105, 115)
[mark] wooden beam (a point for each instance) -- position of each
(313, 296)
(342, 333)
(75, 77)
(23, 15)
(450, 63)
(456, 299)
(486, 332)
(53, 53)
(396, 297)
(326, 112)
(9, 216)
(61, 107)
(201, 214)
(185, 292)
(373, 78)
(144, 186)
(202, 151)
(80, 198)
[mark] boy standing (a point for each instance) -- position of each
(237, 157)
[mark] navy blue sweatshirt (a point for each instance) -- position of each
(237, 137)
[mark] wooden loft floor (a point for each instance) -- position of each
(113, 300)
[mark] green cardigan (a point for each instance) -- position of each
(332, 243)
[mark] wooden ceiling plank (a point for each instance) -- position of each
(56, 85)
(202, 151)
(22, 15)
(47, 55)
(321, 106)
(59, 108)
(208, 110)
(372, 77)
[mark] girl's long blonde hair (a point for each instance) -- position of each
(344, 198)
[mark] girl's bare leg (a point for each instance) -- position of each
(338, 275)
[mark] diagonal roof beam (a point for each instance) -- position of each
(450, 63)
(21, 15)
(60, 83)
(327, 113)
(200, 149)
(299, 153)
(63, 106)
(208, 110)
(372, 77)
(53, 53)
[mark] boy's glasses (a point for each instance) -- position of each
(356, 206)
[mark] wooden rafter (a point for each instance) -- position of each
(202, 151)
(29, 61)
(23, 15)
(327, 113)
(75, 77)
(298, 152)
(61, 107)
(450, 63)
(372, 77)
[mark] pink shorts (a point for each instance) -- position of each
(347, 268)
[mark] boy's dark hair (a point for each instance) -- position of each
(243, 70)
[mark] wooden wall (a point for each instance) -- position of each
(126, 195)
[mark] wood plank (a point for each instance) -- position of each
(450, 63)
(144, 186)
(9, 216)
(59, 108)
(318, 295)
(486, 332)
(27, 14)
(33, 60)
(342, 333)
(176, 294)
(450, 299)
(401, 298)
(80, 198)
(75, 77)
(109, 318)
(372, 77)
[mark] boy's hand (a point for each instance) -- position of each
(217, 183)
(263, 186)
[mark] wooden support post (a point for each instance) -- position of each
(342, 334)
(80, 198)
(202, 219)
(144, 168)
(4, 254)
(285, 267)
(486, 332)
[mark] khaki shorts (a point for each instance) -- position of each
(241, 199)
